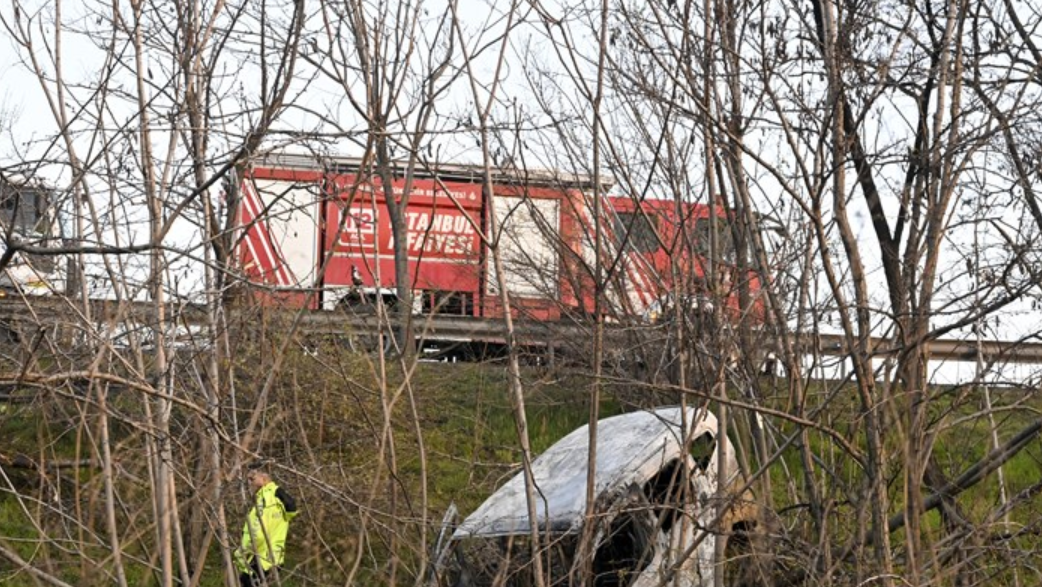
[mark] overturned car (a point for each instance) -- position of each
(657, 516)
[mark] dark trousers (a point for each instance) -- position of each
(253, 578)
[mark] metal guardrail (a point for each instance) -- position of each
(1023, 352)
(39, 312)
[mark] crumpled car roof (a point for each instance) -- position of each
(631, 449)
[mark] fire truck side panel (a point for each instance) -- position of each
(646, 232)
(528, 234)
(278, 247)
(442, 222)
(576, 278)
(634, 282)
(642, 242)
(320, 239)
(535, 231)
(662, 239)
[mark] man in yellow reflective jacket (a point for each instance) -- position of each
(263, 546)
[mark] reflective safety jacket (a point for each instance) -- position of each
(266, 527)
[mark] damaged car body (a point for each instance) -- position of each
(657, 516)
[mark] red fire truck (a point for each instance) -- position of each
(317, 233)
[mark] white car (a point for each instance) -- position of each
(650, 529)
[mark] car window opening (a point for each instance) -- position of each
(702, 450)
(663, 491)
(624, 553)
(739, 540)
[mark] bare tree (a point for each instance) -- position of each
(122, 133)
(832, 118)
(892, 149)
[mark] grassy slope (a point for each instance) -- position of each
(324, 425)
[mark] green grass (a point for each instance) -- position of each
(324, 422)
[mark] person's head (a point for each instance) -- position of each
(257, 474)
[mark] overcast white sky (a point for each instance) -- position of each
(27, 123)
